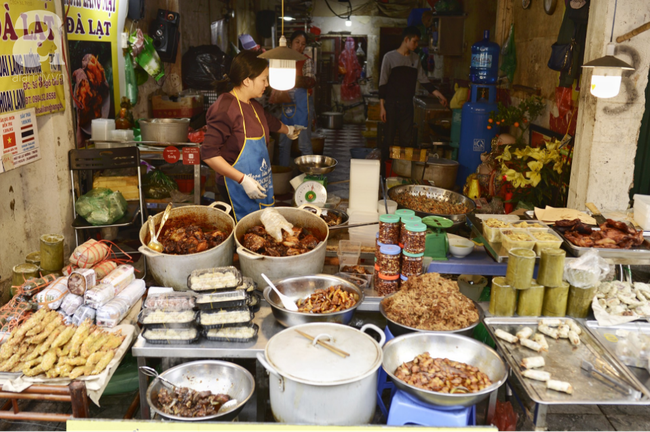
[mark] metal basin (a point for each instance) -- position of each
(214, 375)
(436, 194)
(164, 129)
(315, 164)
(454, 347)
(398, 329)
(344, 216)
(300, 287)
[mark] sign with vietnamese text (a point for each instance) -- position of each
(19, 139)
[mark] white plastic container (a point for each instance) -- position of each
(349, 252)
(101, 129)
(365, 235)
(381, 207)
(121, 135)
(642, 210)
(364, 185)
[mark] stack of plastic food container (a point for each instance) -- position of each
(388, 255)
(226, 302)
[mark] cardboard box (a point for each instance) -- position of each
(127, 185)
(176, 107)
(374, 110)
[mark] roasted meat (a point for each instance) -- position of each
(185, 402)
(309, 242)
(355, 270)
(190, 239)
(254, 242)
(610, 235)
(300, 241)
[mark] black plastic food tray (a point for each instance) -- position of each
(173, 341)
(236, 324)
(255, 297)
(228, 304)
(225, 339)
(228, 269)
(168, 325)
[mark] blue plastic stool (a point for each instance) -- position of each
(382, 381)
(407, 410)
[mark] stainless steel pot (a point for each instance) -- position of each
(164, 129)
(332, 120)
(442, 172)
(297, 288)
(312, 262)
(214, 375)
(458, 348)
(312, 385)
(172, 270)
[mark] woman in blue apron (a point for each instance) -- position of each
(300, 112)
(235, 144)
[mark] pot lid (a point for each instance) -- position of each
(295, 356)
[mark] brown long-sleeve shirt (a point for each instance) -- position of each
(225, 135)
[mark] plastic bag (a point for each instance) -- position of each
(53, 295)
(143, 51)
(351, 69)
(104, 268)
(101, 206)
(459, 98)
(505, 418)
(633, 348)
(203, 66)
(133, 292)
(71, 303)
(274, 223)
(587, 270)
(158, 185)
(131, 81)
(509, 55)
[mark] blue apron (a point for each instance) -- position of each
(297, 113)
(254, 160)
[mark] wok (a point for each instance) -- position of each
(437, 194)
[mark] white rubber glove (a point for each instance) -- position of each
(293, 133)
(253, 189)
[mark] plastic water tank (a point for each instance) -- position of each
(475, 137)
(484, 68)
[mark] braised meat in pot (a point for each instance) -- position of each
(184, 240)
(300, 241)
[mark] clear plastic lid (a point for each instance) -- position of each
(171, 301)
(214, 278)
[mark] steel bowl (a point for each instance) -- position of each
(454, 347)
(214, 375)
(315, 164)
(300, 287)
(436, 194)
(398, 329)
(344, 216)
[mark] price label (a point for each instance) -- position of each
(171, 154)
(191, 156)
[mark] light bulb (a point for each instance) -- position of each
(282, 74)
(348, 23)
(605, 86)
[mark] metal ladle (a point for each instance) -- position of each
(149, 371)
(153, 242)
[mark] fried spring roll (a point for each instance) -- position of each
(548, 331)
(506, 336)
(537, 375)
(563, 331)
(525, 333)
(531, 345)
(540, 339)
(551, 322)
(560, 386)
(533, 362)
(574, 338)
(575, 328)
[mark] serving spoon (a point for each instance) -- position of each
(154, 243)
(286, 301)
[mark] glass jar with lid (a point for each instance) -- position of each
(389, 260)
(412, 264)
(389, 229)
(416, 237)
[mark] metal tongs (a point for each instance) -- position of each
(624, 387)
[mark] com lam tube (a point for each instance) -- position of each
(503, 298)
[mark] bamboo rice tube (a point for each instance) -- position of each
(52, 252)
(521, 264)
(525, 333)
(503, 298)
(537, 375)
(560, 386)
(555, 300)
(540, 339)
(551, 267)
(579, 301)
(548, 331)
(530, 345)
(533, 362)
(506, 336)
(531, 300)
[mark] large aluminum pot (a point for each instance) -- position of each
(458, 348)
(312, 262)
(164, 129)
(172, 270)
(311, 385)
(442, 172)
(213, 375)
(332, 120)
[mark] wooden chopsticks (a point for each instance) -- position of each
(325, 344)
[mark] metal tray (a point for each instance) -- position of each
(494, 249)
(606, 335)
(437, 194)
(638, 252)
(563, 362)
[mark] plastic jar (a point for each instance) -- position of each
(402, 230)
(389, 229)
(404, 212)
(416, 238)
(531, 300)
(378, 248)
(521, 264)
(551, 267)
(503, 298)
(412, 264)
(579, 301)
(385, 284)
(389, 260)
(555, 300)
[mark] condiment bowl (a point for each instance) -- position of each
(453, 347)
(214, 375)
(297, 288)
(459, 246)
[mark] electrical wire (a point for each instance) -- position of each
(339, 16)
(611, 38)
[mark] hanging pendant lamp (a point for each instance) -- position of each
(282, 63)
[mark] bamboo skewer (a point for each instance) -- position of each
(325, 344)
